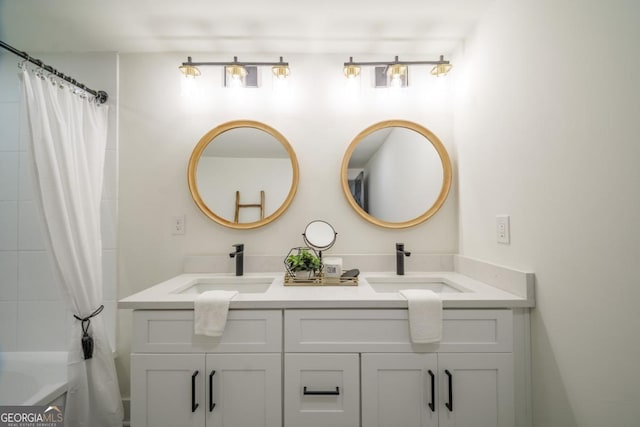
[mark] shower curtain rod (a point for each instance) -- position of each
(100, 95)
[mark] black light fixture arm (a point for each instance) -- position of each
(236, 62)
(100, 95)
(396, 61)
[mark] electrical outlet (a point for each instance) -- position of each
(177, 225)
(503, 232)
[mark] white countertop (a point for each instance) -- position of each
(473, 293)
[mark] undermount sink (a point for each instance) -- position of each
(389, 284)
(244, 285)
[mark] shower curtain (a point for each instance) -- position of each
(67, 149)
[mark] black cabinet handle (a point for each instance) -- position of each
(211, 404)
(335, 392)
(194, 405)
(449, 404)
(432, 404)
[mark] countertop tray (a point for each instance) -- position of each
(320, 280)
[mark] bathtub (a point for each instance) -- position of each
(33, 378)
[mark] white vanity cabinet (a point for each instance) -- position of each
(476, 389)
(399, 389)
(430, 390)
(465, 380)
(180, 379)
(322, 390)
(161, 389)
(323, 367)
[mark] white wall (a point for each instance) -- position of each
(32, 314)
(546, 128)
(318, 115)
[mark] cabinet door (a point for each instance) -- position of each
(244, 390)
(399, 390)
(166, 390)
(321, 390)
(476, 390)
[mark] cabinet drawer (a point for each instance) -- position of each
(171, 331)
(388, 331)
(322, 390)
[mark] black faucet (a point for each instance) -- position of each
(239, 256)
(400, 254)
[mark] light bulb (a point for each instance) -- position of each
(189, 71)
(280, 72)
(351, 71)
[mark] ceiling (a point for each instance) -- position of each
(274, 26)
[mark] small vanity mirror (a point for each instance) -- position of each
(319, 235)
(396, 174)
(243, 174)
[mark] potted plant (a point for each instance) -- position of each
(303, 263)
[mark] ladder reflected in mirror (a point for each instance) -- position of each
(248, 205)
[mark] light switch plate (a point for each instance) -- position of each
(503, 232)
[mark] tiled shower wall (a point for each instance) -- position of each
(32, 314)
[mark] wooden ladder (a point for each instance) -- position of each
(249, 205)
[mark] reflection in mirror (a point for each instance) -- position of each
(243, 174)
(396, 174)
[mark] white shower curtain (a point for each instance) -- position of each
(67, 148)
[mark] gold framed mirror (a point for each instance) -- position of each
(396, 174)
(243, 174)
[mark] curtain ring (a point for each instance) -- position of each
(23, 64)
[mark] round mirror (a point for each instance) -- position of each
(396, 174)
(243, 174)
(319, 235)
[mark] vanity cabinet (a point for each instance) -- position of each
(399, 389)
(322, 390)
(180, 379)
(161, 390)
(212, 390)
(476, 389)
(329, 367)
(465, 380)
(430, 390)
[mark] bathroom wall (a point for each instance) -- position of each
(546, 130)
(319, 114)
(32, 315)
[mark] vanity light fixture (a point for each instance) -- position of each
(280, 71)
(397, 70)
(236, 70)
(351, 70)
(441, 69)
(189, 71)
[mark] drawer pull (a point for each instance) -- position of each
(194, 405)
(431, 404)
(211, 404)
(449, 404)
(335, 392)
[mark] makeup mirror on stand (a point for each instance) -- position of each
(320, 236)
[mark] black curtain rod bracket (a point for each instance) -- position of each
(100, 95)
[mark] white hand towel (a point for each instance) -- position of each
(210, 310)
(425, 315)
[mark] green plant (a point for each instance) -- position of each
(303, 261)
